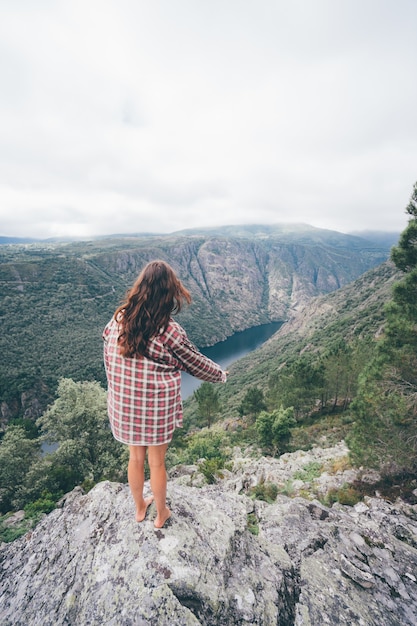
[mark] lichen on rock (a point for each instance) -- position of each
(89, 562)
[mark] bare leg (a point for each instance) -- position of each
(136, 478)
(156, 460)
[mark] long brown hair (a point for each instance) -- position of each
(156, 294)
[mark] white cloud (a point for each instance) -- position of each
(121, 116)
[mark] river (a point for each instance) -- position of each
(226, 352)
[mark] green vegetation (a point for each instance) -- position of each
(209, 449)
(347, 495)
(208, 402)
(385, 409)
(288, 488)
(87, 453)
(18, 454)
(207, 444)
(253, 403)
(274, 429)
(78, 422)
(264, 491)
(252, 524)
(309, 472)
(297, 385)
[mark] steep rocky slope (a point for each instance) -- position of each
(242, 281)
(89, 562)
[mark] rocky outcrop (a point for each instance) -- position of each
(223, 559)
(315, 472)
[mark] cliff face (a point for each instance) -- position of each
(239, 282)
(89, 562)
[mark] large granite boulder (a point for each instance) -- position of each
(222, 560)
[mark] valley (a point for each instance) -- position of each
(57, 297)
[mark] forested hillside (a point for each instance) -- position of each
(56, 298)
(325, 332)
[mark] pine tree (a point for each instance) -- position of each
(208, 402)
(385, 432)
(253, 402)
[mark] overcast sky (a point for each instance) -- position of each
(124, 116)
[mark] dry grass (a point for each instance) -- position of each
(339, 465)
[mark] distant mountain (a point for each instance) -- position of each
(297, 231)
(249, 230)
(39, 240)
(14, 240)
(378, 237)
(57, 297)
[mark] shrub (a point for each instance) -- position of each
(309, 472)
(274, 429)
(205, 445)
(45, 504)
(210, 468)
(346, 495)
(288, 488)
(265, 491)
(339, 465)
(252, 524)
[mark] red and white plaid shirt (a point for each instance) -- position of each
(144, 392)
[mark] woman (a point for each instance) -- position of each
(144, 353)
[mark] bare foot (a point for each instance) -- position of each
(141, 513)
(161, 519)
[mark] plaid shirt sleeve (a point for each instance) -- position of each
(190, 359)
